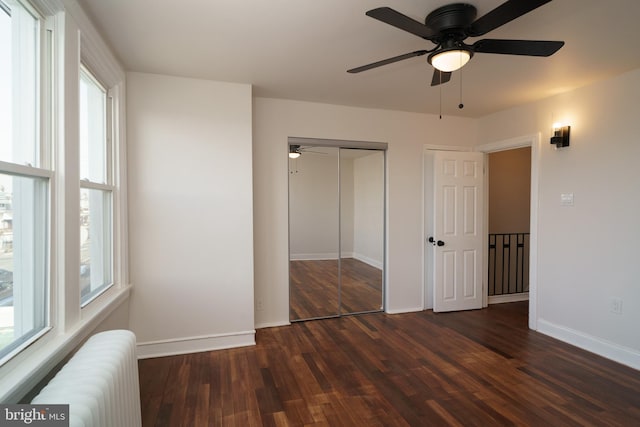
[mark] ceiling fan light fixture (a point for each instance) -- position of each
(450, 59)
(294, 151)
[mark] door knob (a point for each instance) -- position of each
(434, 242)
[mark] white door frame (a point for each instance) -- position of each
(532, 141)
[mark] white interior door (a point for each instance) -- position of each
(457, 238)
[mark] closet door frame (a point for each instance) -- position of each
(344, 144)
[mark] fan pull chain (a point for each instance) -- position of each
(440, 85)
(461, 105)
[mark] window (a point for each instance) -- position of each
(24, 182)
(62, 159)
(96, 193)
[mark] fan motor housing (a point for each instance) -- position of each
(457, 16)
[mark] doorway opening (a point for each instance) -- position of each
(509, 201)
(532, 142)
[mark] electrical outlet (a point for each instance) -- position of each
(259, 305)
(615, 305)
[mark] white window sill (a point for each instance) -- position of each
(22, 373)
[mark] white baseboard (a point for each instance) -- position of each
(314, 256)
(187, 345)
(501, 299)
(332, 256)
(615, 352)
(372, 262)
(271, 324)
(404, 310)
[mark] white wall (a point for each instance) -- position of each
(185, 136)
(118, 319)
(190, 213)
(313, 205)
(406, 133)
(587, 252)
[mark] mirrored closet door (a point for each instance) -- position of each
(361, 230)
(336, 229)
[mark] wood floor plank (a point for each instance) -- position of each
(471, 368)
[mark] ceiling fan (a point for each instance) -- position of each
(448, 26)
(296, 151)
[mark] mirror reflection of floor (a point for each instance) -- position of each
(314, 288)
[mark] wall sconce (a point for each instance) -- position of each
(560, 135)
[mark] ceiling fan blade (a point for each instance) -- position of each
(517, 47)
(398, 20)
(502, 14)
(440, 77)
(387, 61)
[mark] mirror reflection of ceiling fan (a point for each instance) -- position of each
(448, 26)
(296, 151)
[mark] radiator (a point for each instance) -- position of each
(100, 383)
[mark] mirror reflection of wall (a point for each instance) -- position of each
(362, 229)
(336, 231)
(314, 233)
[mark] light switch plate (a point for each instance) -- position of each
(566, 199)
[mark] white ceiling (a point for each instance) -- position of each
(301, 49)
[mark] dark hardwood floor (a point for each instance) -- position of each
(475, 368)
(314, 288)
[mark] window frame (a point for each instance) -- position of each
(41, 170)
(107, 187)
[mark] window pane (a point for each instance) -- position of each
(93, 130)
(95, 243)
(18, 84)
(23, 259)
